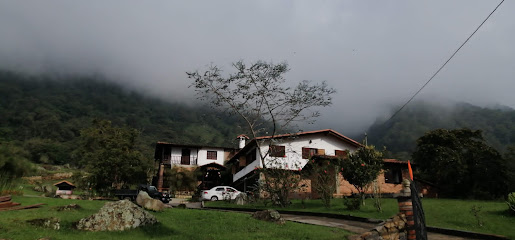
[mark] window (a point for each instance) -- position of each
(231, 190)
(220, 189)
(340, 153)
(277, 151)
(211, 155)
(393, 175)
(309, 152)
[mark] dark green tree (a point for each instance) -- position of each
(109, 155)
(14, 162)
(362, 167)
(461, 163)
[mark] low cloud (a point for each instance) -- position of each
(376, 54)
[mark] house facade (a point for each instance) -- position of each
(169, 155)
(287, 151)
(292, 152)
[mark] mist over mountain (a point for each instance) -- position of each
(497, 122)
(45, 114)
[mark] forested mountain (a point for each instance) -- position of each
(44, 115)
(400, 134)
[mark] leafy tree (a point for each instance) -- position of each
(321, 170)
(182, 179)
(361, 168)
(13, 162)
(509, 159)
(110, 156)
(259, 95)
(461, 163)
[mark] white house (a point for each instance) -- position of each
(190, 155)
(288, 151)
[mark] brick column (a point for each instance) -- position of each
(406, 208)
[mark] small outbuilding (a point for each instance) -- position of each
(64, 188)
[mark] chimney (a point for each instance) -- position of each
(242, 139)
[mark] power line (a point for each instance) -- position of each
(455, 52)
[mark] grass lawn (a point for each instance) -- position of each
(174, 224)
(445, 213)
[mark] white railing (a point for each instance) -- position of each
(183, 160)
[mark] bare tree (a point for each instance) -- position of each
(258, 93)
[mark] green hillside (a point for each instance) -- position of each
(44, 116)
(400, 134)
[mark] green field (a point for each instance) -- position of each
(174, 224)
(444, 213)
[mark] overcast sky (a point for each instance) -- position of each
(375, 53)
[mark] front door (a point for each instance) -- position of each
(185, 156)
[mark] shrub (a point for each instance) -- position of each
(352, 203)
(511, 201)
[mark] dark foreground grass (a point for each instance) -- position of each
(444, 213)
(174, 224)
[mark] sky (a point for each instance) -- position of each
(376, 54)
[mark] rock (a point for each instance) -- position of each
(52, 223)
(68, 207)
(117, 216)
(142, 196)
(154, 205)
(269, 215)
(145, 201)
(241, 199)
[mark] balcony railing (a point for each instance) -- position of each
(183, 160)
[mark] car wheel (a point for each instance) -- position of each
(214, 198)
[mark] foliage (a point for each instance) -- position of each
(509, 160)
(109, 156)
(181, 178)
(45, 113)
(13, 162)
(321, 171)
(399, 135)
(461, 163)
(352, 203)
(511, 201)
(278, 183)
(362, 167)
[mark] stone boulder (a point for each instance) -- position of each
(269, 215)
(145, 201)
(117, 216)
(241, 199)
(142, 197)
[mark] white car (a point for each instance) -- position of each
(219, 193)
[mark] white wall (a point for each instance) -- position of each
(293, 149)
(202, 156)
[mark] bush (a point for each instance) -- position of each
(352, 203)
(511, 201)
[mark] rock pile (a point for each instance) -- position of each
(393, 229)
(117, 216)
(269, 215)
